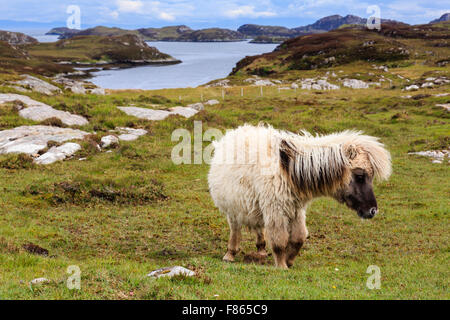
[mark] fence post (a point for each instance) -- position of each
(242, 92)
(223, 94)
(261, 90)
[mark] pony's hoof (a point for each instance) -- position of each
(228, 257)
(262, 254)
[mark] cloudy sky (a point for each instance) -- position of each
(207, 13)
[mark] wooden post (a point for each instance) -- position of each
(223, 94)
(242, 92)
(261, 91)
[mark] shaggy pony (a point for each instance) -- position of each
(264, 179)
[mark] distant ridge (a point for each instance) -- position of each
(262, 33)
(444, 17)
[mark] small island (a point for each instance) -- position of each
(113, 51)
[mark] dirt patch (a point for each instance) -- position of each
(85, 190)
(35, 249)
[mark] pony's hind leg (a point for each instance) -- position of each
(234, 240)
(261, 243)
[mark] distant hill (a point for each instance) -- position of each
(444, 17)
(395, 41)
(330, 23)
(170, 33)
(255, 30)
(212, 35)
(322, 25)
(16, 38)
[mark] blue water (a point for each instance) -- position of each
(201, 63)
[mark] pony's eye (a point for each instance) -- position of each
(360, 178)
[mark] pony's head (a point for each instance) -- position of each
(368, 159)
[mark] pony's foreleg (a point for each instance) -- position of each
(297, 237)
(234, 240)
(278, 234)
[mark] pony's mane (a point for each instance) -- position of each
(320, 164)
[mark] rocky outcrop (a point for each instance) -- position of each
(317, 84)
(37, 85)
(39, 111)
(224, 83)
(32, 139)
(16, 38)
(355, 84)
(78, 86)
(437, 156)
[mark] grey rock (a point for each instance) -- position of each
(212, 102)
(197, 106)
(107, 141)
(58, 153)
(183, 111)
(130, 134)
(39, 111)
(157, 115)
(39, 281)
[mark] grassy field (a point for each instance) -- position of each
(162, 215)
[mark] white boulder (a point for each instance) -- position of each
(171, 272)
(109, 140)
(412, 87)
(212, 102)
(130, 134)
(58, 153)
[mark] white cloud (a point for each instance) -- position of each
(129, 6)
(114, 14)
(166, 16)
(248, 11)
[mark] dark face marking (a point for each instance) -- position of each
(359, 195)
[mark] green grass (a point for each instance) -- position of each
(162, 214)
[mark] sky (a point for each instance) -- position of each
(209, 13)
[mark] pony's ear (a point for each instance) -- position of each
(350, 151)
